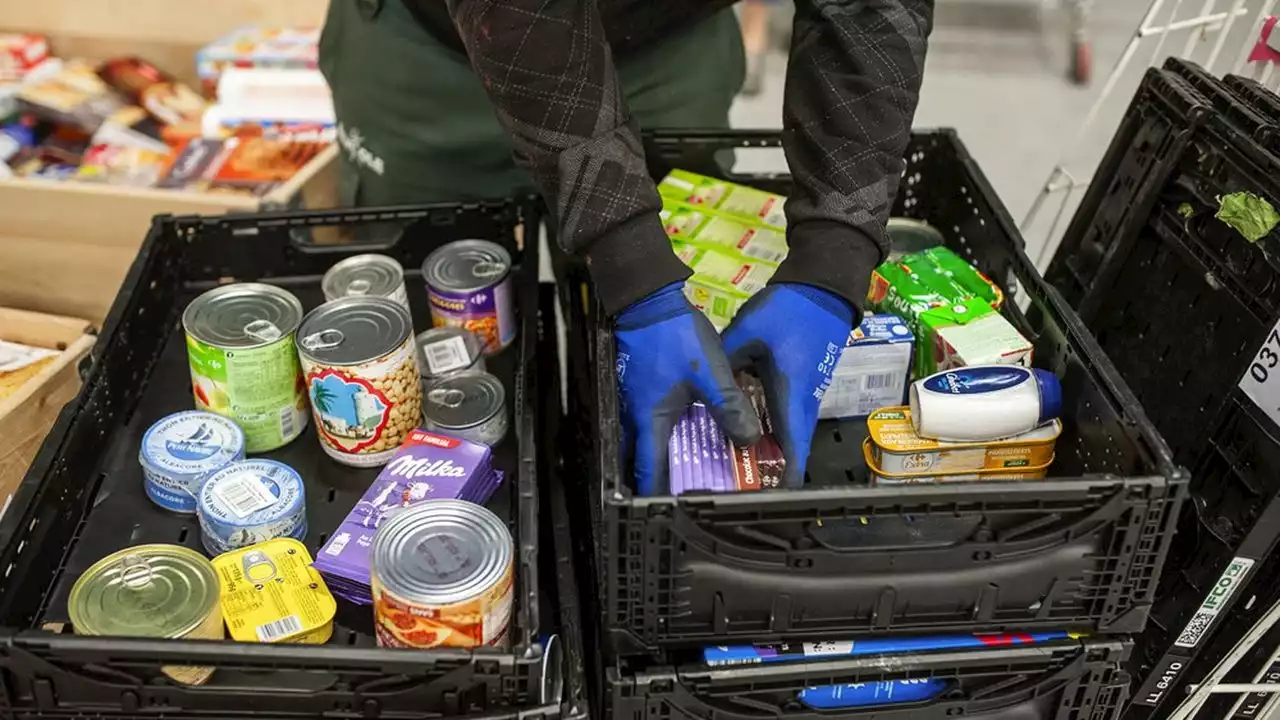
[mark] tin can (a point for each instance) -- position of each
(445, 351)
(155, 591)
(898, 450)
(441, 573)
(907, 236)
(249, 502)
(270, 593)
(181, 451)
(366, 276)
(469, 286)
(240, 343)
(362, 376)
(880, 476)
(470, 407)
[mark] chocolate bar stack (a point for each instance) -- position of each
(700, 457)
(427, 467)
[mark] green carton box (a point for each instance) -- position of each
(967, 333)
(722, 232)
(725, 197)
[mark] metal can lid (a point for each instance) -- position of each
(363, 275)
(353, 330)
(191, 443)
(441, 552)
(250, 493)
(466, 266)
(242, 315)
(145, 591)
(445, 349)
(463, 401)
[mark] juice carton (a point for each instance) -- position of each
(725, 198)
(965, 275)
(695, 225)
(968, 333)
(873, 370)
(895, 289)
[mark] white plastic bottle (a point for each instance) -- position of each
(984, 403)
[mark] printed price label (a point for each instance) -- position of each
(1261, 380)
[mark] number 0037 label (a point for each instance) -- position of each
(1261, 380)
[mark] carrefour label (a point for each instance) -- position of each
(192, 443)
(977, 380)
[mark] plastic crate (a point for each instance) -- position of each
(1079, 551)
(1182, 304)
(83, 497)
(1063, 681)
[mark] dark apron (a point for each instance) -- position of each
(415, 125)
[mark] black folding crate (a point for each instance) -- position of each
(1187, 309)
(83, 497)
(1070, 680)
(1079, 551)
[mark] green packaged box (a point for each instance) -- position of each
(895, 289)
(967, 333)
(962, 274)
(725, 198)
(722, 232)
(721, 282)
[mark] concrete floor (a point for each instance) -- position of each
(981, 53)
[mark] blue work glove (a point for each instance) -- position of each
(668, 356)
(792, 334)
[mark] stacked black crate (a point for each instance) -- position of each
(1172, 262)
(1078, 553)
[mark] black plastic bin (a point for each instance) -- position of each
(83, 497)
(1070, 680)
(1081, 550)
(1185, 307)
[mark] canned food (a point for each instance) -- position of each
(249, 502)
(365, 276)
(441, 573)
(907, 236)
(362, 375)
(470, 407)
(270, 593)
(899, 450)
(156, 591)
(446, 351)
(180, 451)
(243, 362)
(469, 286)
(880, 476)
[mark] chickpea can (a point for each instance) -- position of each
(469, 287)
(442, 574)
(361, 369)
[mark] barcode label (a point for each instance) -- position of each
(286, 422)
(446, 355)
(244, 495)
(338, 542)
(830, 647)
(282, 628)
(882, 381)
(1218, 598)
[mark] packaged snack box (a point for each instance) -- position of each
(725, 197)
(896, 449)
(874, 369)
(690, 224)
(968, 333)
(19, 52)
(256, 47)
(959, 271)
(75, 95)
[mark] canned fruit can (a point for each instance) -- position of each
(270, 593)
(897, 449)
(182, 450)
(445, 351)
(366, 276)
(249, 502)
(155, 591)
(441, 574)
(1013, 472)
(362, 376)
(470, 407)
(240, 343)
(469, 286)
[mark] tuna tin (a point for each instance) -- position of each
(362, 375)
(153, 591)
(243, 362)
(898, 450)
(470, 407)
(364, 276)
(1013, 472)
(249, 502)
(469, 286)
(447, 351)
(441, 573)
(270, 593)
(180, 451)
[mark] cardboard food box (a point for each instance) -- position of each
(65, 246)
(32, 397)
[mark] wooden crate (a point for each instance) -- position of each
(25, 417)
(65, 246)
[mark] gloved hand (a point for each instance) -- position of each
(792, 334)
(668, 356)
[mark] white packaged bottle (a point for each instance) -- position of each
(983, 403)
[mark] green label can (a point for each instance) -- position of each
(244, 365)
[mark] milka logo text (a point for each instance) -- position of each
(410, 467)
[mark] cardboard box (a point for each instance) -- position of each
(873, 371)
(27, 415)
(65, 246)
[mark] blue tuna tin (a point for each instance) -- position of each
(249, 502)
(181, 451)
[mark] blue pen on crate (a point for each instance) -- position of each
(885, 692)
(725, 655)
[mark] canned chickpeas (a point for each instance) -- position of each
(469, 287)
(361, 371)
(154, 591)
